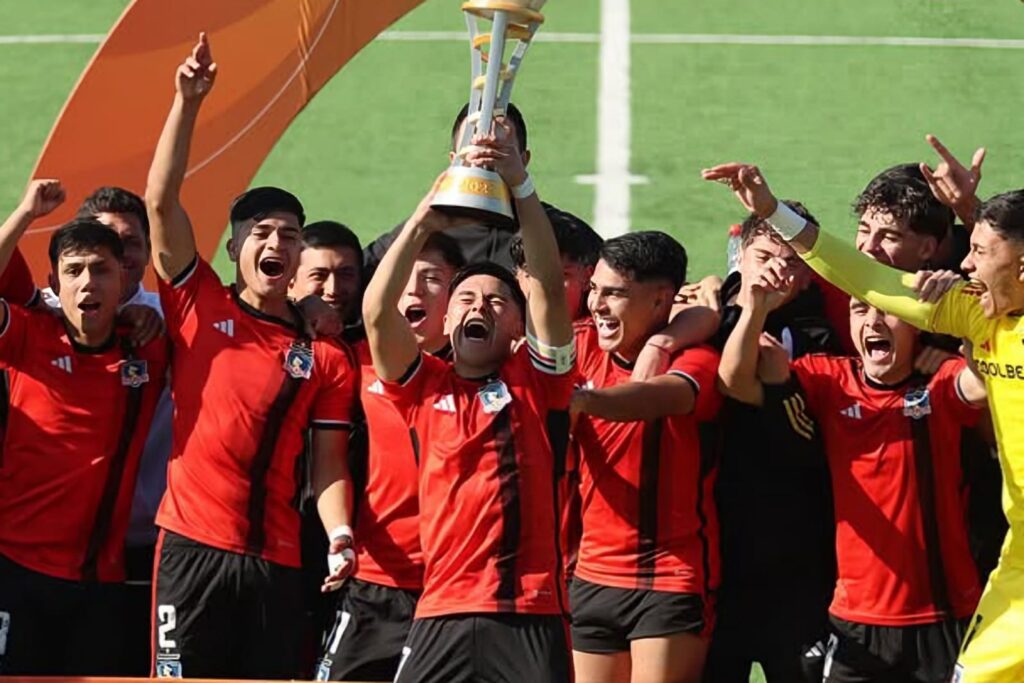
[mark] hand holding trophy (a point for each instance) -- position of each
(472, 189)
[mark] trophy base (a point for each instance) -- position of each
(475, 193)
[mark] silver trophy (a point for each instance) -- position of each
(480, 191)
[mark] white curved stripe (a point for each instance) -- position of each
(260, 114)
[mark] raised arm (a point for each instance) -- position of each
(841, 264)
(174, 245)
(954, 184)
(548, 319)
(751, 357)
(41, 197)
(392, 342)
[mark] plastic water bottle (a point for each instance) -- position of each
(733, 248)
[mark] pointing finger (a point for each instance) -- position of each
(979, 156)
(940, 148)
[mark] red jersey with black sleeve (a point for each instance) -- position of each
(388, 523)
(894, 457)
(490, 451)
(246, 387)
(76, 425)
(649, 519)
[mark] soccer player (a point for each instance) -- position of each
(491, 426)
(773, 498)
(578, 246)
(906, 583)
(81, 397)
(480, 241)
(986, 312)
(375, 609)
(648, 559)
(331, 267)
(247, 384)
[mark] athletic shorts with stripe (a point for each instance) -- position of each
(993, 649)
(605, 619)
(865, 653)
(370, 627)
(486, 647)
(218, 614)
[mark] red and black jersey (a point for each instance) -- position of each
(77, 422)
(246, 387)
(490, 453)
(649, 520)
(16, 283)
(388, 523)
(894, 458)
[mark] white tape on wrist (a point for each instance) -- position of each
(341, 531)
(524, 189)
(786, 222)
(554, 360)
(335, 560)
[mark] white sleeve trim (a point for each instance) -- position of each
(687, 376)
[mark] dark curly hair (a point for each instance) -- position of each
(577, 241)
(1005, 213)
(903, 192)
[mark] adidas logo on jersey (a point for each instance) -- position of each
(853, 411)
(446, 404)
(375, 388)
(64, 363)
(226, 326)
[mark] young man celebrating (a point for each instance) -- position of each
(491, 427)
(81, 398)
(247, 383)
(375, 608)
(906, 582)
(331, 267)
(986, 312)
(648, 557)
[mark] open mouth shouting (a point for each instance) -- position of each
(607, 328)
(272, 267)
(89, 308)
(877, 348)
(415, 314)
(476, 330)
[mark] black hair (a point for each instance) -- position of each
(1005, 213)
(754, 225)
(511, 112)
(576, 240)
(493, 270)
(447, 247)
(115, 200)
(260, 201)
(903, 192)
(84, 234)
(330, 235)
(647, 256)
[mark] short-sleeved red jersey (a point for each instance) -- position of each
(66, 481)
(649, 520)
(388, 522)
(894, 457)
(246, 387)
(489, 451)
(16, 283)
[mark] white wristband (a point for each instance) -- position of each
(524, 189)
(786, 222)
(342, 531)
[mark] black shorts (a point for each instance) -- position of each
(220, 614)
(370, 627)
(489, 647)
(57, 627)
(605, 619)
(898, 654)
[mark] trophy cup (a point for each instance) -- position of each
(481, 192)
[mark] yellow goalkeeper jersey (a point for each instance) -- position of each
(998, 350)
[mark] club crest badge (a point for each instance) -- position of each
(298, 361)
(917, 403)
(168, 669)
(134, 373)
(494, 397)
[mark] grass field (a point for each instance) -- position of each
(820, 119)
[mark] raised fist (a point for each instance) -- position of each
(42, 197)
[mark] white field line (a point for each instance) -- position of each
(636, 38)
(611, 193)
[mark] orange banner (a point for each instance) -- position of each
(273, 57)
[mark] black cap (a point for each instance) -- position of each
(259, 201)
